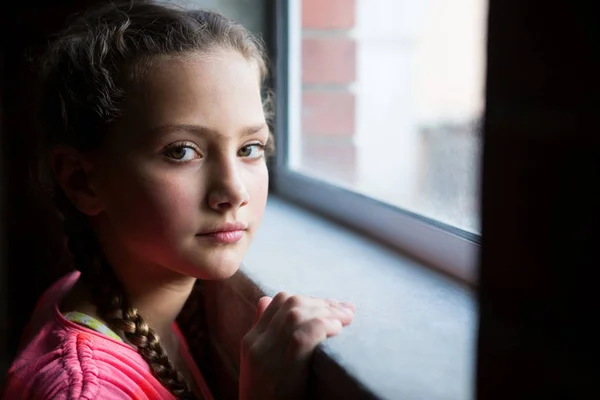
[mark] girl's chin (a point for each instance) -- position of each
(214, 271)
(220, 274)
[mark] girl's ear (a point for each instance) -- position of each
(74, 173)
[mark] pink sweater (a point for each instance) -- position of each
(63, 360)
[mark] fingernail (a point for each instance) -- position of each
(348, 310)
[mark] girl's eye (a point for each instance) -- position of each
(255, 150)
(182, 153)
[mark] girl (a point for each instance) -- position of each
(156, 141)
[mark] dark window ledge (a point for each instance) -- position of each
(413, 336)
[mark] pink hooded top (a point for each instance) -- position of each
(60, 359)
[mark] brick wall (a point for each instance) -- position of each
(328, 103)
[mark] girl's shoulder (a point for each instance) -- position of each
(60, 359)
(73, 364)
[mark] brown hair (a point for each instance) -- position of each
(83, 71)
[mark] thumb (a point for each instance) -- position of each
(262, 305)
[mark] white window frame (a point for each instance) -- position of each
(441, 246)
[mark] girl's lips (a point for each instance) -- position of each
(224, 237)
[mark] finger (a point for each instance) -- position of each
(348, 306)
(295, 311)
(301, 310)
(343, 305)
(333, 327)
(343, 314)
(262, 305)
(250, 338)
(348, 310)
(309, 335)
(267, 315)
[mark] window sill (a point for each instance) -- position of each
(413, 336)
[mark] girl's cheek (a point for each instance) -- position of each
(179, 194)
(257, 176)
(258, 189)
(161, 192)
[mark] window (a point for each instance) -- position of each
(379, 115)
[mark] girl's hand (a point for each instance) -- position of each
(275, 353)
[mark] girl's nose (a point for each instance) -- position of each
(228, 192)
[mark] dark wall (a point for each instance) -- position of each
(541, 203)
(3, 288)
(32, 239)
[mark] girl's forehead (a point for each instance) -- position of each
(217, 66)
(220, 92)
(202, 79)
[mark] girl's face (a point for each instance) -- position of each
(182, 175)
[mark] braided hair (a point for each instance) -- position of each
(82, 76)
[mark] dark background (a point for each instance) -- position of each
(541, 203)
(32, 245)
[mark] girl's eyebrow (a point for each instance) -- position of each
(205, 131)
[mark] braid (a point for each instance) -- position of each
(112, 306)
(138, 332)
